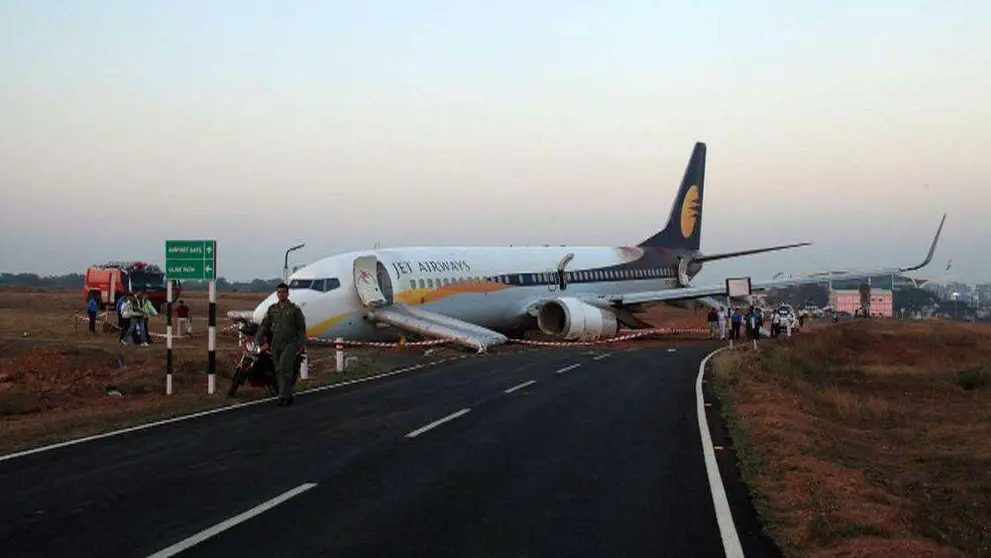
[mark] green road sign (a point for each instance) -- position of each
(191, 259)
(190, 269)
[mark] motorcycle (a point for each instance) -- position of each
(256, 366)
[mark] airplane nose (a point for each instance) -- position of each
(301, 297)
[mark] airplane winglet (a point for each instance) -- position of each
(932, 248)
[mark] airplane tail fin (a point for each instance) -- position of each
(684, 227)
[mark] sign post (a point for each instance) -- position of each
(194, 260)
(168, 337)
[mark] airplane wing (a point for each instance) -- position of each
(433, 324)
(686, 293)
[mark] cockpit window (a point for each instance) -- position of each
(300, 283)
(328, 284)
(322, 285)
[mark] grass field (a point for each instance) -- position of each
(867, 438)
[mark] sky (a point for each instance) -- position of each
(345, 125)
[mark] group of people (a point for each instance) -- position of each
(283, 325)
(133, 312)
(726, 324)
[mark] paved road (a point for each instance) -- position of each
(544, 453)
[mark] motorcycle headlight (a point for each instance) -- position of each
(256, 349)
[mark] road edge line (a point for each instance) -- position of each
(724, 516)
(198, 414)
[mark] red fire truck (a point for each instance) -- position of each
(113, 279)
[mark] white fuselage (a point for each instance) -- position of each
(488, 286)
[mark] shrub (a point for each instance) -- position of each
(974, 378)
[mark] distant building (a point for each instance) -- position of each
(962, 297)
(960, 288)
(849, 301)
(889, 282)
(942, 291)
(983, 294)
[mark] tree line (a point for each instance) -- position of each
(76, 280)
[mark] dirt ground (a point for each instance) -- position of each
(59, 381)
(867, 438)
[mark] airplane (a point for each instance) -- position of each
(477, 295)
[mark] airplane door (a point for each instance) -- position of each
(553, 280)
(562, 277)
(385, 282)
(366, 282)
(683, 272)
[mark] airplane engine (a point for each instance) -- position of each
(572, 319)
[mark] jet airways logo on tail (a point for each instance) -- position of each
(690, 211)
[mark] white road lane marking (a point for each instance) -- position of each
(600, 357)
(437, 423)
(223, 526)
(521, 386)
(566, 368)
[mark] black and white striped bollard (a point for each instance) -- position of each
(211, 386)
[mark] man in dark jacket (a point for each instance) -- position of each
(285, 321)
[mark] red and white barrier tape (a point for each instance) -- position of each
(388, 344)
(115, 327)
(633, 334)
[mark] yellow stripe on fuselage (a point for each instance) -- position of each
(413, 297)
(323, 326)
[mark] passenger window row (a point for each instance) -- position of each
(549, 278)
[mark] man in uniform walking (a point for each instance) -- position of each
(287, 325)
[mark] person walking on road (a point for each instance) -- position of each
(713, 318)
(287, 325)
